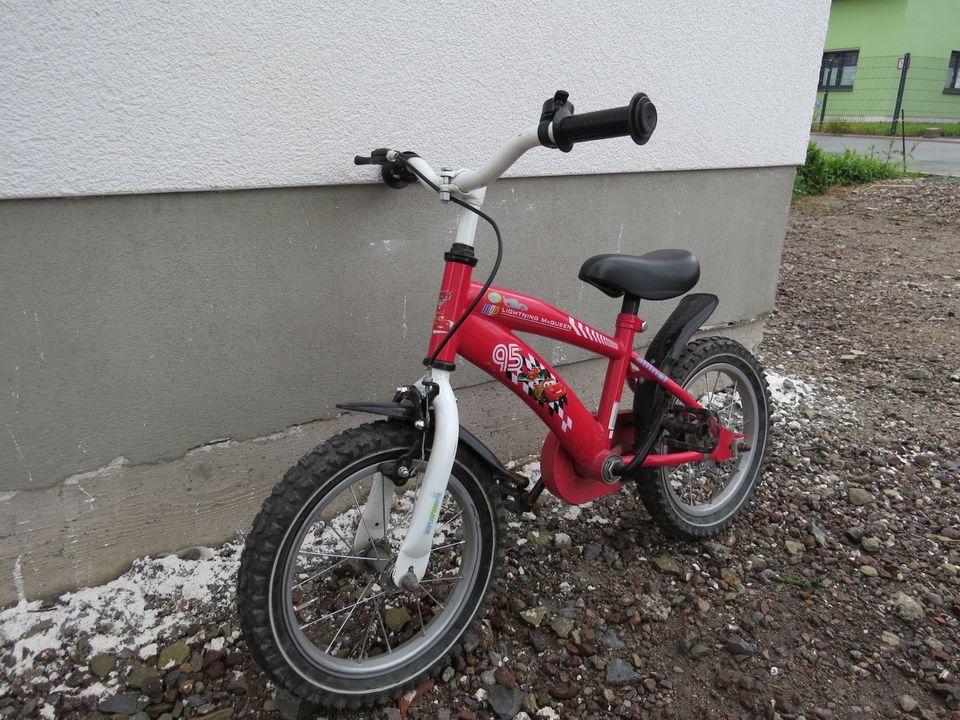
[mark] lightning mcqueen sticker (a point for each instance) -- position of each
(538, 382)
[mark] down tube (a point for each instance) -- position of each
(508, 359)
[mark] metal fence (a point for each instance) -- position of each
(879, 89)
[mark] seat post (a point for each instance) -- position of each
(628, 325)
(631, 304)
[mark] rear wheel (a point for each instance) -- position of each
(700, 500)
(317, 604)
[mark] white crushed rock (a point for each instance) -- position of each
(130, 613)
(787, 391)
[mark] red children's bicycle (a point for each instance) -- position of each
(379, 550)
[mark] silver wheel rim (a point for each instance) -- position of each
(701, 489)
(358, 637)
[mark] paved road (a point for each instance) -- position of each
(929, 156)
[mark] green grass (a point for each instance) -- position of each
(914, 129)
(822, 171)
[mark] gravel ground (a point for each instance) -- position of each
(836, 595)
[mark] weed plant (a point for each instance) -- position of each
(822, 171)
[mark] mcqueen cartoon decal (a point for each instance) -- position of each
(441, 324)
(538, 382)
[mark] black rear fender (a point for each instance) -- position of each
(663, 353)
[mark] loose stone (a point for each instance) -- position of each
(102, 665)
(534, 616)
(907, 607)
(860, 497)
(666, 564)
(562, 626)
(620, 672)
(505, 702)
(794, 547)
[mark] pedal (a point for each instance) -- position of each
(517, 499)
(521, 481)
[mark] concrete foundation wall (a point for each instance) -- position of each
(142, 326)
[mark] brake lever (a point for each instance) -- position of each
(377, 157)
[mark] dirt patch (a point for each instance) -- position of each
(836, 596)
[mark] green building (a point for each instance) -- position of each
(873, 46)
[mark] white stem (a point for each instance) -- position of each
(467, 222)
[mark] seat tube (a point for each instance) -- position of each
(628, 324)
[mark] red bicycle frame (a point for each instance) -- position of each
(580, 441)
(585, 454)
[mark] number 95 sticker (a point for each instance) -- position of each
(508, 357)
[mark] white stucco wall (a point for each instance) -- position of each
(125, 96)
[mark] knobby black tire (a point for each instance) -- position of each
(302, 488)
(653, 484)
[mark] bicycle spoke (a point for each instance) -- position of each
(455, 517)
(420, 615)
(446, 579)
(347, 619)
(712, 392)
(334, 555)
(448, 545)
(730, 407)
(337, 533)
(343, 609)
(366, 636)
(305, 605)
(431, 596)
(383, 627)
(319, 574)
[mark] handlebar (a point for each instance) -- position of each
(559, 128)
(638, 120)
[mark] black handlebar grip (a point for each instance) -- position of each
(638, 120)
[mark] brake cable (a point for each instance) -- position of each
(493, 272)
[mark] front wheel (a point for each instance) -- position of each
(700, 500)
(318, 608)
